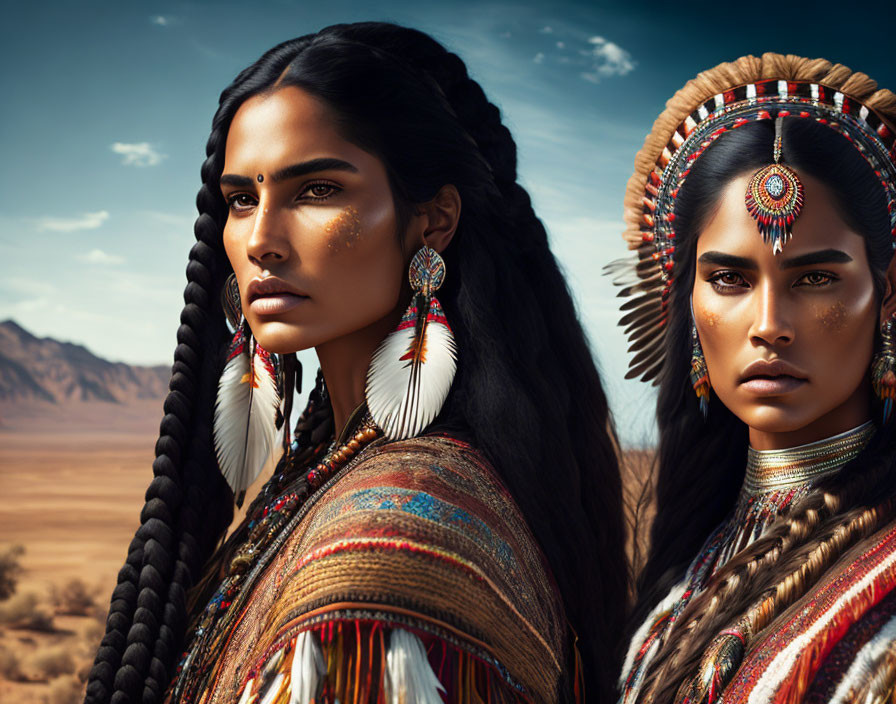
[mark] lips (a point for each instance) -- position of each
(772, 377)
(270, 296)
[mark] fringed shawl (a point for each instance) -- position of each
(419, 535)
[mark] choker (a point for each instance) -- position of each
(780, 469)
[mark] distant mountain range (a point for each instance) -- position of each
(44, 369)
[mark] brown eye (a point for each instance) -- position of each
(727, 281)
(816, 279)
(239, 202)
(320, 191)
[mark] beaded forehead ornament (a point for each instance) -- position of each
(774, 196)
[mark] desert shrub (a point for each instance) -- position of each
(92, 634)
(25, 611)
(65, 690)
(9, 666)
(53, 661)
(10, 569)
(73, 598)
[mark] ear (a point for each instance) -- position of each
(441, 216)
(888, 305)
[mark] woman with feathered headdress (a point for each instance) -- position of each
(763, 210)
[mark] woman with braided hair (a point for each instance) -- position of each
(422, 535)
(763, 210)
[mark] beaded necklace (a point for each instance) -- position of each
(271, 519)
(775, 480)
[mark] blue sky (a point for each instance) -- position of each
(107, 106)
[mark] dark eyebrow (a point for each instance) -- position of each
(822, 256)
(236, 181)
(293, 171)
(308, 167)
(722, 259)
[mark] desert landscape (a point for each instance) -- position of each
(76, 450)
(72, 482)
(77, 438)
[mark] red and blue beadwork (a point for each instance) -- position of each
(775, 198)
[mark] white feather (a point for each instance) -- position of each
(245, 429)
(409, 676)
(274, 690)
(247, 692)
(308, 667)
(403, 397)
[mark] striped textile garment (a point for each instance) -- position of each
(412, 577)
(837, 643)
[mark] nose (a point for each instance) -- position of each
(268, 240)
(771, 320)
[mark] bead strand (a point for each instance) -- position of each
(366, 434)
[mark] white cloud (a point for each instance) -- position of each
(539, 58)
(180, 222)
(86, 221)
(137, 154)
(98, 256)
(160, 20)
(561, 45)
(608, 59)
(547, 29)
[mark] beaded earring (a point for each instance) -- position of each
(699, 373)
(883, 369)
(411, 372)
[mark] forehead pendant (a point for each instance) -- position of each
(775, 198)
(260, 178)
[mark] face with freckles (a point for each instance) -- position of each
(788, 338)
(311, 231)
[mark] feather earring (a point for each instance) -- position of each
(247, 407)
(411, 372)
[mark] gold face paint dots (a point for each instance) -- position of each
(711, 319)
(833, 317)
(344, 230)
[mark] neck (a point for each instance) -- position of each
(853, 413)
(344, 362)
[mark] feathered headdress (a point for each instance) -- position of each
(716, 101)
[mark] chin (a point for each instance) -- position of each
(282, 338)
(774, 418)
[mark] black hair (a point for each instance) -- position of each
(526, 391)
(701, 463)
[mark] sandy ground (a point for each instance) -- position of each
(72, 479)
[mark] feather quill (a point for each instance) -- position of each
(411, 372)
(245, 430)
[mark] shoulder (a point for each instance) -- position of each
(423, 533)
(429, 471)
(434, 500)
(838, 640)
